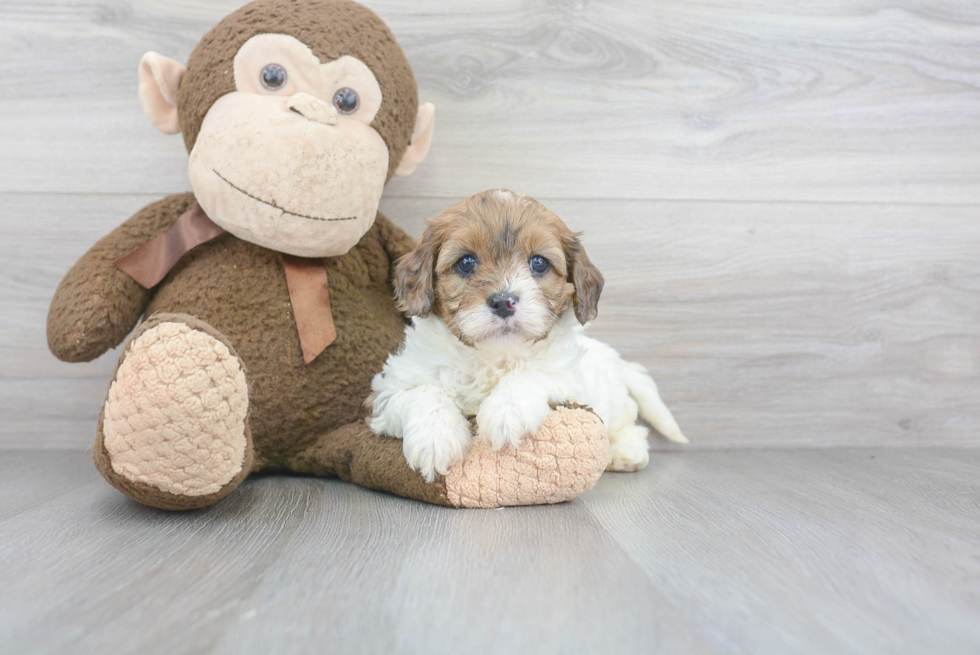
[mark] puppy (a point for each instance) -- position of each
(499, 290)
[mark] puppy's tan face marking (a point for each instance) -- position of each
(487, 255)
(497, 264)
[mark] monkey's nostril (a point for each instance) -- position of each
(312, 108)
(503, 305)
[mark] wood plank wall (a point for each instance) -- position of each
(784, 197)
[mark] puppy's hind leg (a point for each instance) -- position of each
(628, 449)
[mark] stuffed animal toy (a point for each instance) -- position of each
(267, 291)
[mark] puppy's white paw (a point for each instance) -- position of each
(504, 420)
(435, 440)
(628, 456)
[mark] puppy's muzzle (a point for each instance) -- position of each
(503, 304)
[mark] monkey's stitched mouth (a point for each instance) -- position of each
(275, 206)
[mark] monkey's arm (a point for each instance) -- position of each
(395, 240)
(96, 304)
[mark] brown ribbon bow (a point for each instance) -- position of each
(309, 291)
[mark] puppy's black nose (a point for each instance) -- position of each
(503, 304)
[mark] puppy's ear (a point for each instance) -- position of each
(587, 280)
(414, 277)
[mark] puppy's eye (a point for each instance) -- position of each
(465, 265)
(539, 264)
(273, 77)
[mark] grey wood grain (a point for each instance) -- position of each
(477, 582)
(860, 100)
(843, 551)
(766, 324)
(828, 551)
(62, 472)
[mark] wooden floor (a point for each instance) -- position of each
(751, 551)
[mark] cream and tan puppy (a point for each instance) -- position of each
(499, 290)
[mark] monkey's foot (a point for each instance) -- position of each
(562, 460)
(173, 430)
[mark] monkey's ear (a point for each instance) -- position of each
(414, 277)
(159, 82)
(587, 280)
(418, 147)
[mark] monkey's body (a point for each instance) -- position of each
(301, 417)
(240, 290)
(217, 382)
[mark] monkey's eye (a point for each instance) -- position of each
(346, 101)
(465, 265)
(273, 77)
(539, 264)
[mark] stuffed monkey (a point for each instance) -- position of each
(267, 291)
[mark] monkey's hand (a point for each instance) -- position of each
(96, 304)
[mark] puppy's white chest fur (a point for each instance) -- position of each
(469, 374)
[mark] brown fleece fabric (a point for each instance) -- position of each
(240, 289)
(355, 454)
(332, 29)
(97, 305)
(236, 291)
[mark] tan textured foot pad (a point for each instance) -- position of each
(175, 413)
(564, 459)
